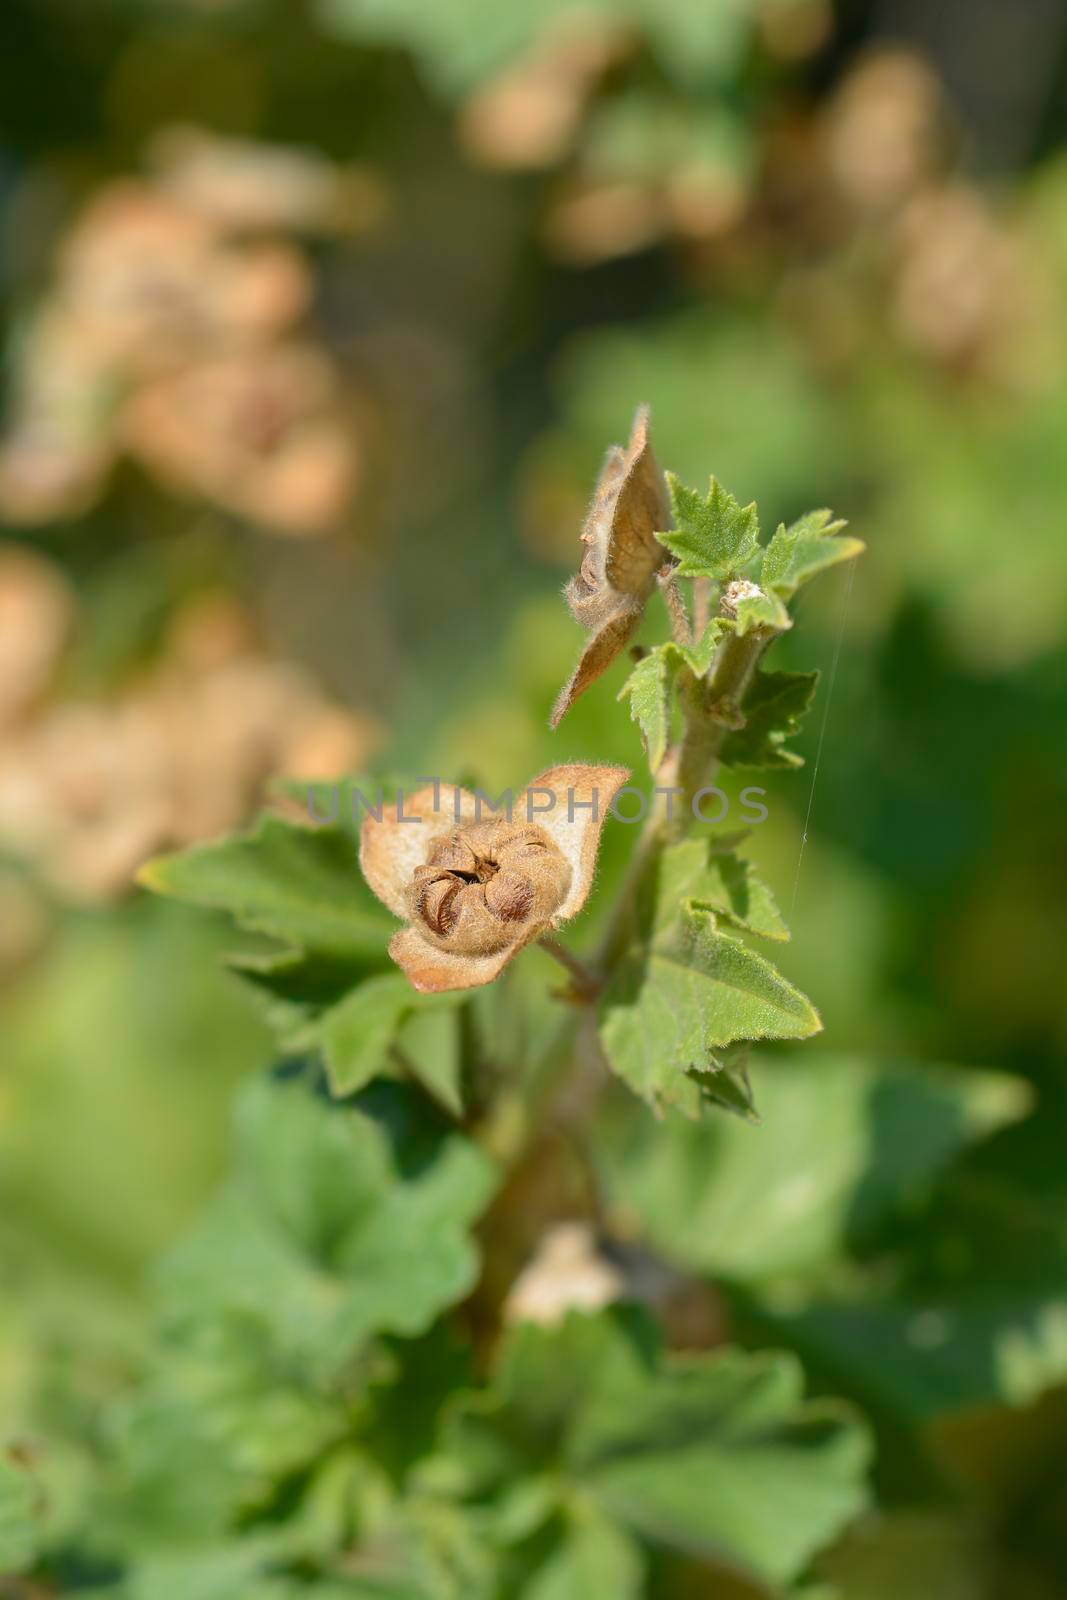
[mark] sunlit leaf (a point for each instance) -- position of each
(800, 552)
(713, 536)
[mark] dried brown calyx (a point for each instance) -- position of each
(475, 891)
(618, 570)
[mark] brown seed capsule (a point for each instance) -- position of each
(618, 570)
(474, 892)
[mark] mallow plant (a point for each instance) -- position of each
(426, 1340)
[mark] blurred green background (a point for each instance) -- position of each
(319, 317)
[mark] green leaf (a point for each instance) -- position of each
(845, 1145)
(698, 657)
(708, 873)
(695, 990)
(648, 689)
(460, 43)
(594, 1557)
(718, 1456)
(800, 552)
(301, 885)
(356, 1035)
(19, 1530)
(649, 685)
(430, 1040)
(773, 707)
(335, 1223)
(761, 611)
(726, 1084)
(713, 537)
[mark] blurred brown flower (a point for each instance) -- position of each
(257, 431)
(89, 789)
(154, 283)
(169, 333)
(243, 185)
(567, 1273)
(475, 892)
(528, 115)
(884, 130)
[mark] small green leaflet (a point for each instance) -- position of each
(714, 537)
(459, 44)
(718, 1456)
(726, 1084)
(800, 552)
(701, 871)
(356, 1034)
(648, 688)
(773, 707)
(335, 1224)
(695, 990)
(19, 1535)
(698, 657)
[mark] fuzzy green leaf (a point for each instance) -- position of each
(356, 1034)
(334, 1224)
(845, 1145)
(19, 1532)
(649, 685)
(707, 872)
(698, 657)
(773, 707)
(431, 1043)
(696, 989)
(301, 885)
(648, 689)
(800, 552)
(712, 537)
(718, 1456)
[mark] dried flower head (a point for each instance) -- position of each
(618, 570)
(475, 890)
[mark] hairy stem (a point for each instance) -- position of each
(676, 607)
(711, 707)
(701, 605)
(586, 983)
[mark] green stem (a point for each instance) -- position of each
(586, 984)
(711, 707)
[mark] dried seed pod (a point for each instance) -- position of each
(622, 556)
(475, 891)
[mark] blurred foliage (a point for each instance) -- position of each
(318, 319)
